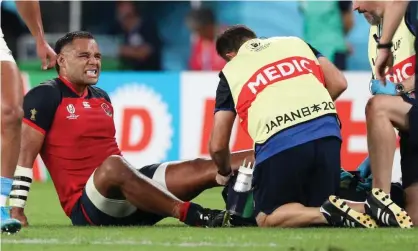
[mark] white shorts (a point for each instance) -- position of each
(123, 208)
(5, 53)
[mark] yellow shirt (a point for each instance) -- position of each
(403, 52)
(276, 83)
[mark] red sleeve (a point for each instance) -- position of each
(39, 106)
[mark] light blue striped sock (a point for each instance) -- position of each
(6, 187)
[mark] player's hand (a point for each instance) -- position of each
(222, 179)
(384, 59)
(46, 54)
(19, 214)
(377, 87)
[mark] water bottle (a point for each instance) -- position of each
(240, 194)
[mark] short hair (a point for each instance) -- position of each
(232, 39)
(68, 39)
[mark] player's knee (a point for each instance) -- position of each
(375, 106)
(11, 115)
(114, 169)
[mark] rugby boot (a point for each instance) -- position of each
(226, 219)
(339, 214)
(9, 225)
(198, 216)
(386, 213)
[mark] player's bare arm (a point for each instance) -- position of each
(219, 142)
(335, 82)
(393, 11)
(31, 14)
(31, 144)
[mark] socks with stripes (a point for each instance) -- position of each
(6, 187)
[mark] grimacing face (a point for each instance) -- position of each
(81, 61)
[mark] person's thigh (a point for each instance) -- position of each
(395, 108)
(325, 176)
(280, 179)
(95, 209)
(11, 85)
(11, 110)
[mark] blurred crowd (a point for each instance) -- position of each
(153, 34)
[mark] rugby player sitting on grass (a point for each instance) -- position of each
(69, 122)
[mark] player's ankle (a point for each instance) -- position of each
(184, 209)
(6, 187)
(189, 212)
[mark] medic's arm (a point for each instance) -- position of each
(223, 123)
(335, 81)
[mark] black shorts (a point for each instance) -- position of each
(85, 213)
(409, 146)
(306, 174)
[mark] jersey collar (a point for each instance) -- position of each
(69, 85)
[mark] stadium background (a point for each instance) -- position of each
(166, 115)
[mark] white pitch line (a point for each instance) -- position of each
(136, 243)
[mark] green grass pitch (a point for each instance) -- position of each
(50, 229)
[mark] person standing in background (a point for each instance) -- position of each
(203, 57)
(326, 25)
(12, 114)
(141, 48)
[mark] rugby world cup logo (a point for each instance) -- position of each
(71, 111)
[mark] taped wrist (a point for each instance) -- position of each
(21, 185)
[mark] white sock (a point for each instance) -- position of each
(3, 199)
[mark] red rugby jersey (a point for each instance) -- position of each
(79, 134)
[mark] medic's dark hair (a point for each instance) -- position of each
(232, 39)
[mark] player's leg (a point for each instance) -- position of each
(187, 179)
(409, 160)
(11, 120)
(383, 113)
(94, 209)
(279, 189)
(324, 181)
(118, 180)
(411, 191)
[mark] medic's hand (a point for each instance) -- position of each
(376, 87)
